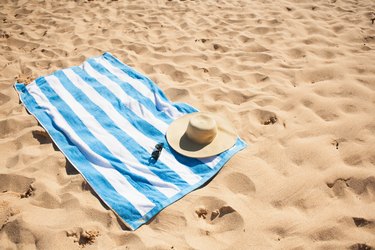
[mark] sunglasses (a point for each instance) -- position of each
(157, 151)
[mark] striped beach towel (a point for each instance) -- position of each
(106, 118)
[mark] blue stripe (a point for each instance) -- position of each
(161, 170)
(140, 183)
(100, 184)
(184, 108)
(196, 166)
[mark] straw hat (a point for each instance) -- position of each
(200, 135)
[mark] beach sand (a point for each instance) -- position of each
(296, 78)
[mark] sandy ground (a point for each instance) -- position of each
(297, 78)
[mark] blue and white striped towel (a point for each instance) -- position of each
(107, 118)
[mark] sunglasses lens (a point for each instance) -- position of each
(155, 154)
(159, 146)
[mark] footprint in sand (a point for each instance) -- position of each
(16, 185)
(239, 183)
(213, 219)
(83, 237)
(6, 212)
(266, 117)
(14, 124)
(360, 246)
(42, 136)
(362, 222)
(216, 212)
(327, 233)
(364, 187)
(4, 99)
(17, 231)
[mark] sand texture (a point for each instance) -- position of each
(296, 78)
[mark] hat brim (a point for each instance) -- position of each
(177, 139)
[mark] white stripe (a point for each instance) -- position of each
(141, 88)
(116, 180)
(184, 172)
(111, 142)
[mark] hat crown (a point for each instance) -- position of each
(201, 129)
